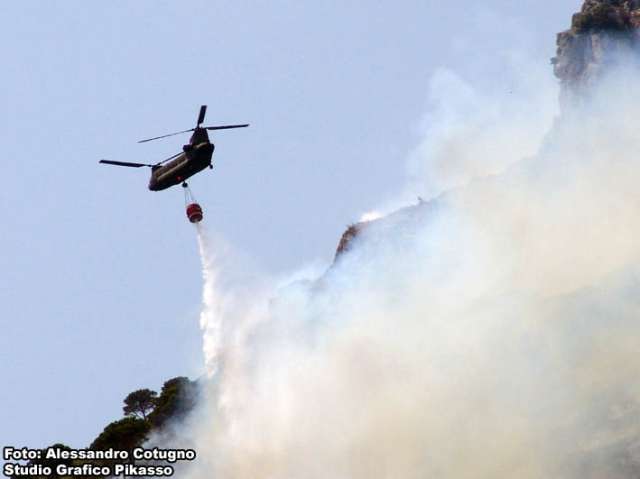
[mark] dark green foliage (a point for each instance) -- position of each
(146, 411)
(140, 402)
(52, 463)
(125, 434)
(176, 400)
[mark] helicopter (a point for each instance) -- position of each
(194, 157)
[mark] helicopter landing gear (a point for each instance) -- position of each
(185, 185)
(210, 166)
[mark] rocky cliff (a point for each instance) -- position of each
(601, 34)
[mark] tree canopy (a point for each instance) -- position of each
(140, 402)
(145, 411)
(125, 434)
(177, 398)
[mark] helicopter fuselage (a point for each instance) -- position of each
(196, 156)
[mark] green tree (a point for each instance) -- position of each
(177, 398)
(125, 434)
(140, 402)
(52, 463)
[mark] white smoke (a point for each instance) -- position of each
(469, 134)
(492, 332)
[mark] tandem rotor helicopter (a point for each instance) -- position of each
(194, 157)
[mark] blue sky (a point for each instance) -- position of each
(100, 283)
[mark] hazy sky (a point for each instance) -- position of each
(100, 284)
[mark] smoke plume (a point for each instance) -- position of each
(489, 332)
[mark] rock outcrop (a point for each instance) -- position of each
(601, 34)
(346, 241)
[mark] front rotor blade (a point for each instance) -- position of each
(124, 163)
(165, 136)
(225, 127)
(203, 112)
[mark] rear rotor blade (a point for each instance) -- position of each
(203, 112)
(225, 127)
(165, 136)
(124, 163)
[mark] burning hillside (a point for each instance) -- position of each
(490, 331)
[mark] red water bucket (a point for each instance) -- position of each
(194, 213)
